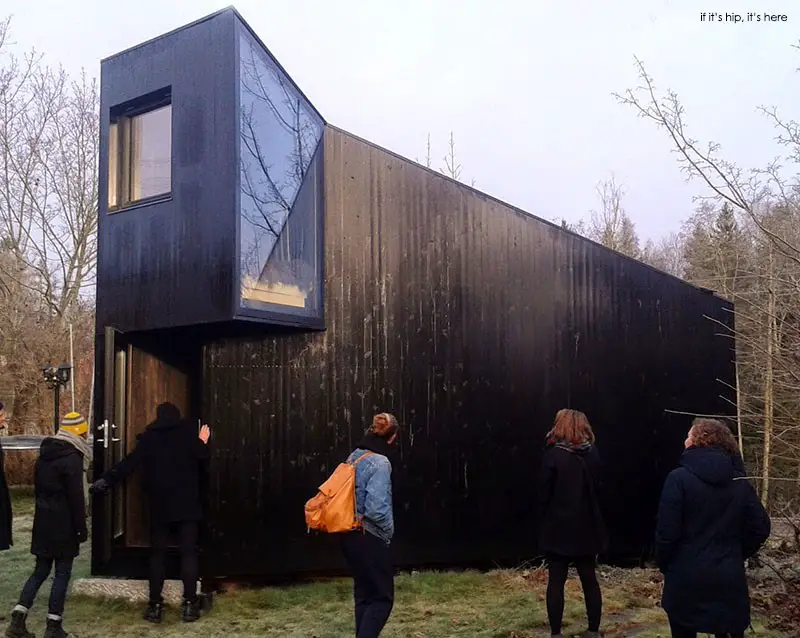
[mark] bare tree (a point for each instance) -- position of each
(30, 336)
(48, 176)
(756, 263)
(450, 167)
(611, 225)
(727, 182)
(666, 254)
(48, 222)
(579, 227)
(428, 163)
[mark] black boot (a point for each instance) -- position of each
(190, 610)
(206, 602)
(154, 612)
(17, 628)
(54, 629)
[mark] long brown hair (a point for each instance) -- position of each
(707, 432)
(571, 426)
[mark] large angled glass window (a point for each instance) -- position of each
(280, 239)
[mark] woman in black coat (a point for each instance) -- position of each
(59, 522)
(172, 457)
(6, 539)
(709, 522)
(571, 525)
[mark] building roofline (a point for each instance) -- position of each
(520, 211)
(277, 62)
(231, 10)
(162, 36)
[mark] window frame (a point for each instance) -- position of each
(121, 124)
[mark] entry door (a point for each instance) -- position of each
(110, 429)
(137, 380)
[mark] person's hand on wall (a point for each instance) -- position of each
(205, 433)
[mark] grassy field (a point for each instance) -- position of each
(502, 604)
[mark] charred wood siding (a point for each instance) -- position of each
(474, 323)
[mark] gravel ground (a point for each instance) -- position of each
(134, 591)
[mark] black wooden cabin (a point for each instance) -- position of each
(284, 280)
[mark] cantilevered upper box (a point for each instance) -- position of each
(210, 184)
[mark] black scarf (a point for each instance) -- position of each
(374, 443)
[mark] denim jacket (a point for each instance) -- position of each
(374, 494)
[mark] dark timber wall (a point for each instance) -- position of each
(474, 323)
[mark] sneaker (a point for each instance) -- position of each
(17, 628)
(154, 612)
(190, 610)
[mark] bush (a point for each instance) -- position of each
(19, 466)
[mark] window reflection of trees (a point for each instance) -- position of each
(279, 135)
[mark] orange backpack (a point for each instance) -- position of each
(333, 509)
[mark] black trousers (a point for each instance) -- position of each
(370, 561)
(190, 562)
(558, 569)
(682, 632)
(58, 590)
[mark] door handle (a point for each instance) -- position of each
(104, 426)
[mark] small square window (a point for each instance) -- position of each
(140, 154)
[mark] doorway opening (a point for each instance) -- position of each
(141, 371)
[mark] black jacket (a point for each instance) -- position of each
(708, 524)
(173, 462)
(59, 522)
(570, 520)
(6, 539)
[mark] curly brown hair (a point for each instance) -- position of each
(706, 432)
(385, 425)
(572, 426)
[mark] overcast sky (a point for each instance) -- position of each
(525, 85)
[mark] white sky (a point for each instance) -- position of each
(524, 84)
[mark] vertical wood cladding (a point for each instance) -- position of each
(474, 323)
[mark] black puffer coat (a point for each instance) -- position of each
(570, 519)
(59, 523)
(709, 521)
(6, 539)
(173, 462)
